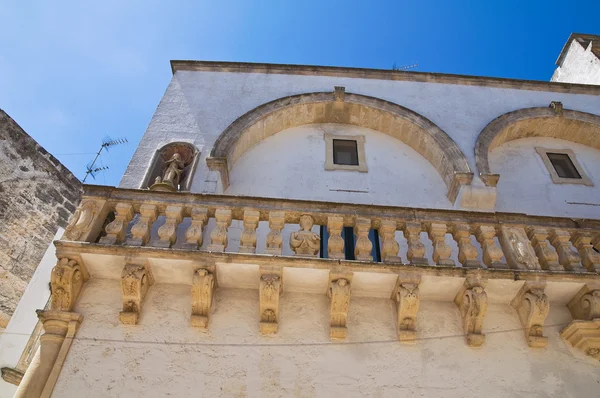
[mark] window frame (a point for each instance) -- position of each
(360, 148)
(584, 180)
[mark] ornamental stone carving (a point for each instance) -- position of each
(115, 231)
(136, 279)
(171, 174)
(339, 299)
(203, 288)
(363, 246)
(248, 236)
(193, 235)
(517, 249)
(406, 296)
(82, 220)
(547, 257)
(270, 289)
(140, 232)
(305, 242)
(416, 249)
(532, 306)
(335, 243)
(467, 252)
(561, 240)
(492, 254)
(472, 302)
(585, 305)
(274, 237)
(441, 250)
(590, 258)
(584, 336)
(389, 246)
(67, 279)
(167, 232)
(218, 236)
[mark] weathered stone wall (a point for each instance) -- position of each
(37, 195)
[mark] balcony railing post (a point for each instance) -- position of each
(363, 247)
(389, 246)
(590, 259)
(441, 250)
(274, 238)
(492, 254)
(248, 237)
(141, 230)
(115, 231)
(467, 252)
(335, 243)
(218, 236)
(193, 235)
(416, 249)
(547, 257)
(168, 231)
(569, 259)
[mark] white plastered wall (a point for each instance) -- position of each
(579, 65)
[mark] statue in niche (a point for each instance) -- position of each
(171, 174)
(305, 242)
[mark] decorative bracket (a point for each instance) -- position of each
(406, 296)
(532, 306)
(67, 279)
(472, 302)
(339, 296)
(136, 278)
(586, 303)
(270, 289)
(584, 336)
(203, 289)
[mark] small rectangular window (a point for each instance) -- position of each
(345, 152)
(563, 165)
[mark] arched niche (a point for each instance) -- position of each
(339, 107)
(553, 122)
(189, 157)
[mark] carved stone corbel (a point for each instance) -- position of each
(270, 289)
(472, 302)
(115, 231)
(517, 249)
(568, 258)
(339, 297)
(248, 236)
(203, 289)
(467, 252)
(218, 236)
(67, 279)
(532, 306)
(136, 278)
(389, 245)
(584, 336)
(416, 248)
(363, 246)
(274, 238)
(441, 250)
(590, 258)
(585, 305)
(335, 243)
(140, 232)
(406, 296)
(193, 235)
(168, 231)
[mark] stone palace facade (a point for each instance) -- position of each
(316, 231)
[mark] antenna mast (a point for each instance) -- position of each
(106, 143)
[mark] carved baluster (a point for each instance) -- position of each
(590, 259)
(305, 242)
(67, 279)
(532, 305)
(416, 249)
(363, 246)
(389, 246)
(441, 250)
(218, 236)
(339, 296)
(335, 243)
(517, 249)
(406, 296)
(472, 302)
(248, 237)
(141, 230)
(203, 289)
(547, 257)
(492, 254)
(568, 258)
(274, 238)
(270, 289)
(136, 278)
(193, 235)
(467, 252)
(586, 303)
(168, 231)
(115, 231)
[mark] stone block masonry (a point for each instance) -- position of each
(37, 196)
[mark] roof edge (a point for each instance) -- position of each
(382, 74)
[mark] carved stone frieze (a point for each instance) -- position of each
(406, 296)
(585, 305)
(274, 237)
(472, 302)
(270, 288)
(203, 288)
(568, 258)
(416, 248)
(532, 306)
(363, 246)
(389, 245)
(193, 235)
(136, 278)
(584, 336)
(492, 254)
(590, 258)
(441, 250)
(82, 220)
(547, 257)
(248, 236)
(115, 231)
(140, 232)
(335, 243)
(305, 242)
(218, 236)
(339, 298)
(67, 279)
(467, 252)
(167, 232)
(517, 249)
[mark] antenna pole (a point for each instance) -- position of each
(106, 143)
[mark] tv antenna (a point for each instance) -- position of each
(107, 142)
(405, 67)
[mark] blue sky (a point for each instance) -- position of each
(72, 72)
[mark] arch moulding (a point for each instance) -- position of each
(394, 120)
(552, 122)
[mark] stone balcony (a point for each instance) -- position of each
(219, 242)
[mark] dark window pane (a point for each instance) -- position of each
(563, 165)
(345, 152)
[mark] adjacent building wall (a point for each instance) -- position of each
(579, 61)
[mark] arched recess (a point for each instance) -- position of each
(552, 122)
(345, 108)
(189, 157)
